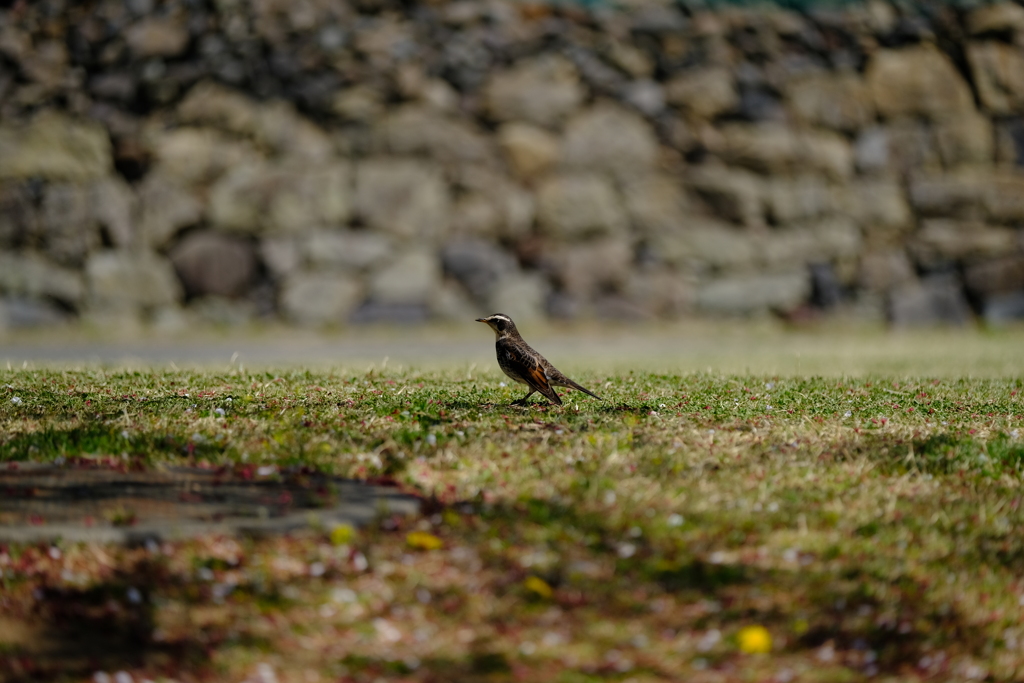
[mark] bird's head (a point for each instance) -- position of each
(501, 324)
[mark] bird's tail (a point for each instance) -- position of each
(572, 385)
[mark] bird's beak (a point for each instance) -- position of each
(480, 320)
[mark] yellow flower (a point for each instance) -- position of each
(539, 586)
(754, 640)
(423, 540)
(342, 534)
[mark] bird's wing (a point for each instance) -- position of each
(531, 371)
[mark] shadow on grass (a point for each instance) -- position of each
(568, 403)
(106, 627)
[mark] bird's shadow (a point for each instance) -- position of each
(605, 408)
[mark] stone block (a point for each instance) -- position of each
(31, 276)
(998, 17)
(956, 194)
(165, 208)
(215, 264)
(415, 130)
(877, 203)
(275, 125)
(403, 197)
(579, 205)
(656, 203)
(521, 296)
(313, 298)
(645, 95)
(780, 148)
(735, 194)
(476, 214)
(362, 103)
(792, 199)
(281, 198)
(453, 303)
(941, 241)
(478, 264)
(513, 206)
(841, 101)
(198, 156)
(995, 276)
(543, 90)
(912, 145)
(706, 243)
(965, 139)
(54, 147)
(123, 281)
(660, 292)
(1003, 197)
(530, 150)
(69, 228)
(999, 309)
(412, 278)
(917, 81)
(935, 300)
(704, 92)
(584, 270)
(281, 255)
(20, 313)
(883, 270)
(19, 218)
(116, 207)
(755, 293)
(610, 139)
(156, 37)
(871, 150)
(818, 241)
(998, 71)
(346, 249)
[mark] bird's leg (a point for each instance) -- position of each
(522, 401)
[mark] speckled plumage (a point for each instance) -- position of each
(523, 364)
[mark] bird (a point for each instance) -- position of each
(523, 364)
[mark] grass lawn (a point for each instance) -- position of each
(694, 526)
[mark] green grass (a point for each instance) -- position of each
(872, 525)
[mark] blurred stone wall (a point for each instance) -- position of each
(329, 162)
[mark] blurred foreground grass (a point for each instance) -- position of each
(850, 526)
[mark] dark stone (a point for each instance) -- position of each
(826, 290)
(68, 223)
(114, 85)
(563, 306)
(477, 264)
(18, 218)
(595, 72)
(936, 299)
(1013, 129)
(759, 103)
(996, 276)
(209, 263)
(1004, 308)
(19, 313)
